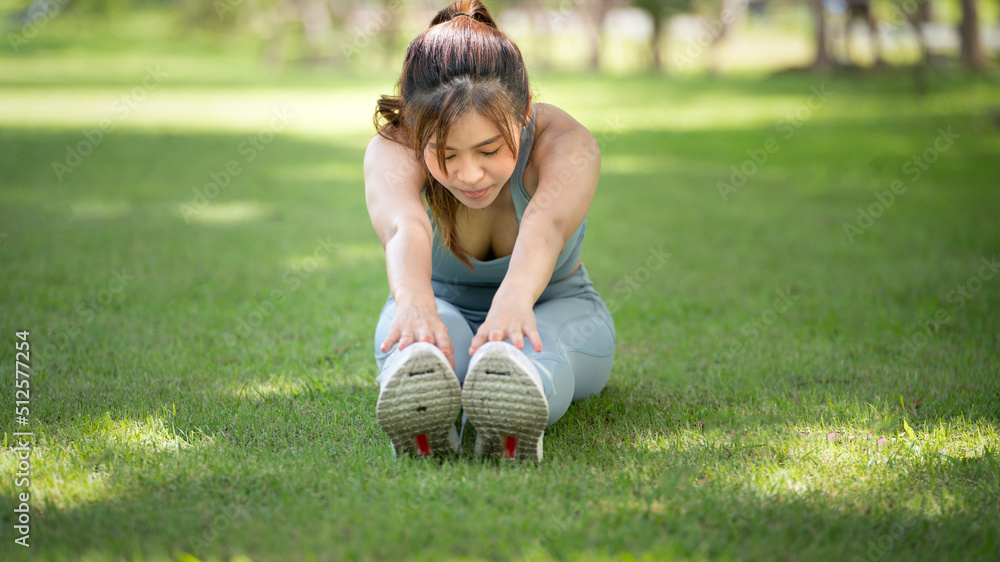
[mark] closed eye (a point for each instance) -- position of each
(494, 153)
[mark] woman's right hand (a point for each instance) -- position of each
(415, 322)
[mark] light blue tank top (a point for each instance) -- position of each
(446, 268)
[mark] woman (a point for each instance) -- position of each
(494, 260)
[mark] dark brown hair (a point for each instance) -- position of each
(461, 63)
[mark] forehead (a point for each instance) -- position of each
(469, 130)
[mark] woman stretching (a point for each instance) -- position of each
(494, 260)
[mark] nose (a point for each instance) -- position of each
(468, 172)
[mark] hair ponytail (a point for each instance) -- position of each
(473, 9)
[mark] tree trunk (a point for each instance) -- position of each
(594, 12)
(972, 47)
(542, 31)
(317, 29)
(917, 21)
(873, 33)
(822, 60)
(658, 33)
(274, 52)
(737, 12)
(390, 28)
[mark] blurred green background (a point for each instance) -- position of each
(810, 374)
(613, 36)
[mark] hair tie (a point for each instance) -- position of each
(462, 14)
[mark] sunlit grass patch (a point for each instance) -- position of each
(227, 212)
(85, 462)
(221, 404)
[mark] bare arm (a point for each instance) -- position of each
(569, 168)
(393, 179)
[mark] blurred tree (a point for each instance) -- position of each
(543, 24)
(105, 6)
(317, 29)
(916, 17)
(724, 13)
(594, 12)
(862, 10)
(822, 60)
(972, 47)
(303, 30)
(390, 13)
(661, 11)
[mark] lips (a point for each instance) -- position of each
(476, 194)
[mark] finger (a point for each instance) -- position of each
(534, 338)
(390, 339)
(424, 334)
(497, 334)
(445, 345)
(477, 340)
(405, 339)
(516, 337)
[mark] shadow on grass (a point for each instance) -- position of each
(309, 475)
(275, 446)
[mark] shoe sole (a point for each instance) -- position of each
(507, 409)
(418, 406)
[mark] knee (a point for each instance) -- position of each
(559, 402)
(592, 374)
(559, 384)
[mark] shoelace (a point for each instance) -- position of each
(545, 374)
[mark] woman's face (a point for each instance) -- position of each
(477, 161)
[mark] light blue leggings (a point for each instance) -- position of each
(576, 328)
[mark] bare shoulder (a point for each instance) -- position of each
(385, 155)
(551, 123)
(559, 136)
(563, 148)
(388, 142)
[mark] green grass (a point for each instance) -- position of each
(735, 426)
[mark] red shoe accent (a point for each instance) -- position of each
(423, 446)
(510, 447)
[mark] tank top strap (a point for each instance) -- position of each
(517, 191)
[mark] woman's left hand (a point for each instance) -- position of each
(509, 319)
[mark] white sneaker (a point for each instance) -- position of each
(504, 399)
(419, 401)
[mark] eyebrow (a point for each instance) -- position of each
(484, 143)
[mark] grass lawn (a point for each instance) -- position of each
(797, 380)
